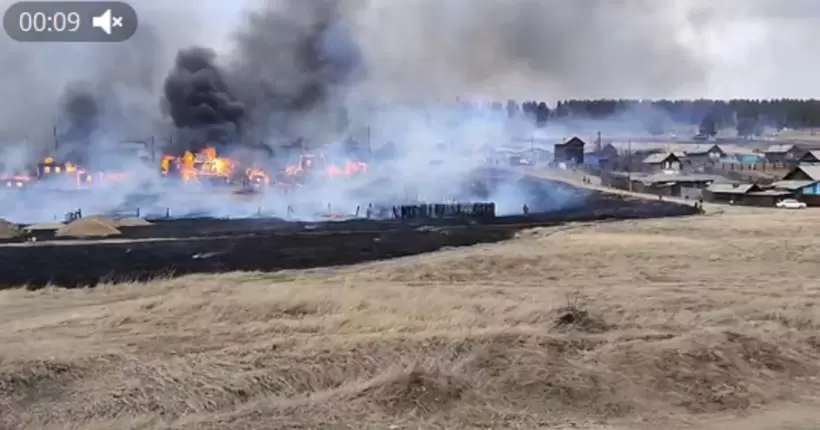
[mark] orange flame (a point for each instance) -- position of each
(257, 176)
(350, 168)
(49, 166)
(15, 181)
(208, 163)
(310, 162)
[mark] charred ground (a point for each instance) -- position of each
(176, 247)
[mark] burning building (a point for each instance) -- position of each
(15, 181)
(313, 166)
(71, 174)
(207, 166)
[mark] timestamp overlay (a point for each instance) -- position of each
(70, 21)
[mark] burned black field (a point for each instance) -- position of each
(174, 247)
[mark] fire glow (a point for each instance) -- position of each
(310, 164)
(204, 166)
(50, 169)
(208, 164)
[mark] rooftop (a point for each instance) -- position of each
(669, 178)
(815, 154)
(731, 188)
(774, 193)
(777, 149)
(792, 185)
(658, 158)
(810, 170)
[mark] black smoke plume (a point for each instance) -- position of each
(81, 112)
(199, 101)
(297, 53)
(283, 73)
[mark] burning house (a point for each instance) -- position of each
(15, 181)
(71, 175)
(315, 166)
(206, 166)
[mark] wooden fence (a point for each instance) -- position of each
(758, 167)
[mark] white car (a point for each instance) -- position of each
(790, 204)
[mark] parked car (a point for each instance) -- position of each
(517, 160)
(790, 204)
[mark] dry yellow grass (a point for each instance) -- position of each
(707, 322)
(94, 226)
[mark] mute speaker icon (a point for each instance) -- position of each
(106, 22)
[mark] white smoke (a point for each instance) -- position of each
(421, 51)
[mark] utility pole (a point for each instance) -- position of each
(369, 143)
(629, 164)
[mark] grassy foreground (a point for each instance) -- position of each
(705, 322)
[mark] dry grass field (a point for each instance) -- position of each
(708, 322)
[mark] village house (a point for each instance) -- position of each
(662, 184)
(783, 153)
(803, 173)
(745, 194)
(803, 182)
(662, 161)
(570, 152)
(702, 154)
(810, 157)
(728, 193)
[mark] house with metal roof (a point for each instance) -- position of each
(728, 192)
(745, 194)
(665, 184)
(661, 161)
(803, 182)
(803, 172)
(700, 149)
(701, 154)
(732, 189)
(793, 186)
(783, 153)
(768, 197)
(810, 157)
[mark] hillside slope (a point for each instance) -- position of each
(705, 322)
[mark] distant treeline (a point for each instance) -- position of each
(748, 116)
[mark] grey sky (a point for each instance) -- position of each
(439, 49)
(745, 48)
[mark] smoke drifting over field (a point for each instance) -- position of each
(323, 69)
